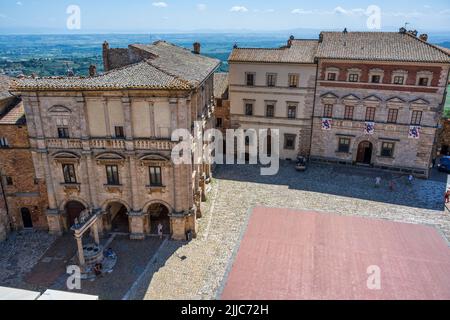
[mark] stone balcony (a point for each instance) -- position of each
(111, 144)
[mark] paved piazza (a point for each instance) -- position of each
(196, 270)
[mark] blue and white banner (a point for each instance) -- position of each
(369, 128)
(414, 132)
(326, 124)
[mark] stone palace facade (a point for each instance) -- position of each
(103, 143)
(366, 98)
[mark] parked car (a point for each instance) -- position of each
(301, 164)
(444, 164)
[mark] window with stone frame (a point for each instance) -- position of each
(289, 141)
(370, 114)
(271, 79)
(423, 82)
(70, 176)
(387, 149)
(270, 110)
(63, 133)
(248, 109)
(332, 76)
(416, 118)
(353, 77)
(119, 132)
(112, 175)
(293, 80)
(328, 111)
(250, 79)
(219, 122)
(392, 116)
(344, 145)
(292, 112)
(155, 176)
(399, 80)
(375, 79)
(4, 142)
(348, 114)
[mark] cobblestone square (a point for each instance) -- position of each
(333, 189)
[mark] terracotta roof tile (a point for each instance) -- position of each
(15, 116)
(220, 84)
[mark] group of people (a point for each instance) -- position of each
(392, 184)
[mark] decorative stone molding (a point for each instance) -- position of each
(110, 159)
(116, 189)
(156, 189)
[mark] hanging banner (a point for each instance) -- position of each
(326, 124)
(414, 132)
(369, 128)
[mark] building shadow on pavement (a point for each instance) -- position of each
(347, 181)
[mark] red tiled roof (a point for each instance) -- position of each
(295, 255)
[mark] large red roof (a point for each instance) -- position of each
(295, 255)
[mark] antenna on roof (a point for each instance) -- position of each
(70, 72)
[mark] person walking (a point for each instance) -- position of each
(447, 196)
(377, 182)
(160, 230)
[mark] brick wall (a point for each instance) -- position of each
(26, 192)
(4, 226)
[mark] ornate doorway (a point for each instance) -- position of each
(364, 154)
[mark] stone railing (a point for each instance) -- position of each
(64, 144)
(107, 144)
(152, 144)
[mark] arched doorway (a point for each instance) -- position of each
(364, 154)
(73, 211)
(26, 218)
(117, 218)
(159, 213)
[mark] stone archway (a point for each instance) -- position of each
(364, 153)
(159, 213)
(116, 218)
(73, 211)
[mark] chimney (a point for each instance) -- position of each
(345, 31)
(423, 37)
(197, 47)
(413, 32)
(402, 30)
(289, 43)
(235, 46)
(106, 56)
(92, 70)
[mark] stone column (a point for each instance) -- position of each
(80, 252)
(54, 218)
(96, 235)
(92, 179)
(128, 130)
(107, 120)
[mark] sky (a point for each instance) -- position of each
(122, 16)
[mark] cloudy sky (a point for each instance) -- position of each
(37, 16)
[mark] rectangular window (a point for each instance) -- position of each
(69, 173)
(270, 111)
(119, 132)
(387, 149)
(219, 103)
(353, 77)
(250, 79)
(289, 141)
(248, 109)
(293, 80)
(63, 133)
(271, 80)
(392, 116)
(416, 118)
(328, 111)
(370, 114)
(292, 112)
(376, 79)
(348, 115)
(344, 145)
(9, 181)
(4, 143)
(155, 176)
(112, 175)
(219, 122)
(423, 82)
(399, 80)
(331, 76)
